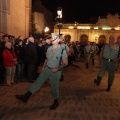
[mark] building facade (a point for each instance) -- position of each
(41, 17)
(98, 32)
(15, 17)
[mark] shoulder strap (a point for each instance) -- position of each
(61, 57)
(65, 46)
(62, 51)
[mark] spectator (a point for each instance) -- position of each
(20, 52)
(31, 59)
(10, 61)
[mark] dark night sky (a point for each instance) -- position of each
(82, 10)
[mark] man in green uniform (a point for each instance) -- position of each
(51, 70)
(94, 52)
(87, 52)
(118, 43)
(109, 57)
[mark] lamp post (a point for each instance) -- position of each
(59, 13)
(76, 30)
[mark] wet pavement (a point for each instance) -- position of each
(80, 98)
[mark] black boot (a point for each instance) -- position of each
(87, 65)
(62, 78)
(97, 81)
(92, 61)
(108, 88)
(54, 105)
(24, 98)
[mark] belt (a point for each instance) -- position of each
(49, 67)
(108, 60)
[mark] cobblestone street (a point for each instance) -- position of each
(80, 98)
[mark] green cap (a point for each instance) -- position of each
(54, 34)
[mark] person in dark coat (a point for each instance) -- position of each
(20, 52)
(31, 59)
(3, 40)
(41, 53)
(41, 50)
(2, 67)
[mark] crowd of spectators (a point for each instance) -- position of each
(26, 55)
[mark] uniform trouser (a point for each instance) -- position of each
(87, 57)
(93, 55)
(111, 67)
(10, 74)
(54, 81)
(118, 63)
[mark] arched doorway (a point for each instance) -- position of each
(84, 39)
(118, 37)
(101, 42)
(67, 38)
(102, 39)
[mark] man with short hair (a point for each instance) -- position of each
(109, 57)
(31, 59)
(51, 70)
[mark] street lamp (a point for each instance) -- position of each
(59, 13)
(46, 30)
(76, 24)
(76, 30)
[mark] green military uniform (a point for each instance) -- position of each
(52, 62)
(87, 51)
(109, 55)
(94, 51)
